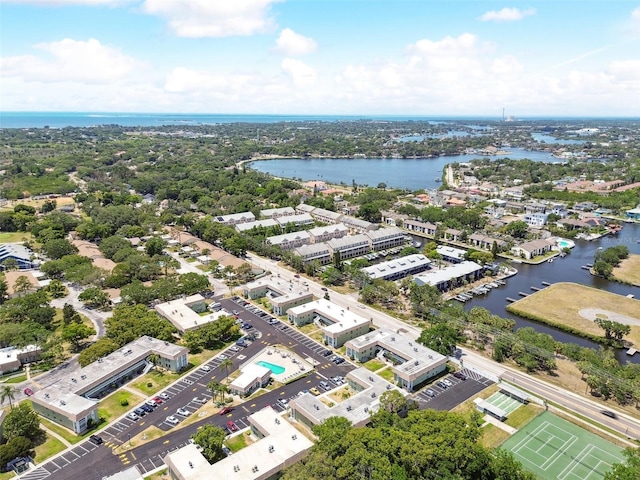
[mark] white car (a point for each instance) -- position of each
(172, 420)
(234, 349)
(132, 416)
(164, 396)
(183, 412)
(222, 357)
(205, 368)
(201, 401)
(151, 403)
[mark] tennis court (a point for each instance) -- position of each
(554, 448)
(504, 402)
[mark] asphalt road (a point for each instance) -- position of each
(88, 462)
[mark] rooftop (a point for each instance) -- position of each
(434, 277)
(179, 313)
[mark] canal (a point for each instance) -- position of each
(567, 269)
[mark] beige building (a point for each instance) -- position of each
(413, 363)
(12, 358)
(282, 295)
(252, 377)
(72, 402)
(184, 313)
(277, 444)
(338, 324)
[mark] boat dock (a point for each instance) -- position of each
(632, 351)
(511, 300)
(546, 284)
(522, 294)
(536, 289)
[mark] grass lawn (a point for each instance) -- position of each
(374, 365)
(492, 436)
(158, 380)
(110, 407)
(48, 449)
(16, 379)
(7, 475)
(628, 270)
(523, 415)
(14, 237)
(561, 302)
(147, 435)
(68, 435)
(236, 443)
(387, 374)
(161, 475)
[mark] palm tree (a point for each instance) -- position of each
(154, 358)
(214, 388)
(226, 363)
(7, 391)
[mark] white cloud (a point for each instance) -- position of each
(293, 44)
(507, 14)
(301, 74)
(57, 3)
(70, 61)
(213, 18)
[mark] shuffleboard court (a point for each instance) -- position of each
(551, 447)
(504, 402)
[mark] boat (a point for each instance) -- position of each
(438, 180)
(550, 260)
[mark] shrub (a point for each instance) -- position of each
(124, 402)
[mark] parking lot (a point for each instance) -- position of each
(444, 397)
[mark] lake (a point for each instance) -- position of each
(404, 173)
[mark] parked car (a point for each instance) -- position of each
(325, 385)
(283, 402)
(205, 368)
(234, 348)
(460, 375)
(96, 440)
(326, 353)
(222, 357)
(146, 408)
(447, 382)
(441, 384)
(226, 450)
(183, 412)
(246, 326)
(132, 416)
(172, 420)
(315, 391)
(241, 343)
(338, 360)
(141, 412)
(225, 410)
(28, 392)
(158, 400)
(164, 396)
(324, 289)
(151, 403)
(232, 426)
(430, 392)
(199, 400)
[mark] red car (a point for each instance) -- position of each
(28, 392)
(158, 400)
(232, 426)
(225, 410)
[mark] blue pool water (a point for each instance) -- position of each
(277, 369)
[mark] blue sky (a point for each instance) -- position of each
(417, 57)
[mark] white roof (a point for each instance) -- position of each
(180, 315)
(434, 277)
(391, 267)
(270, 212)
(340, 317)
(249, 375)
(336, 228)
(269, 222)
(451, 252)
(296, 219)
(288, 237)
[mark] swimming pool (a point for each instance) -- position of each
(276, 369)
(562, 243)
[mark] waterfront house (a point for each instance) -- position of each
(533, 248)
(633, 214)
(482, 241)
(420, 227)
(452, 234)
(536, 220)
(386, 238)
(350, 247)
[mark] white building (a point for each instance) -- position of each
(252, 377)
(278, 445)
(450, 277)
(398, 268)
(73, 401)
(282, 295)
(267, 223)
(316, 251)
(328, 232)
(300, 220)
(413, 363)
(277, 212)
(184, 313)
(350, 247)
(386, 238)
(451, 254)
(236, 218)
(289, 241)
(338, 324)
(12, 358)
(358, 408)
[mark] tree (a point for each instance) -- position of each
(8, 392)
(226, 364)
(602, 268)
(14, 448)
(442, 338)
(214, 388)
(101, 348)
(612, 330)
(94, 297)
(210, 438)
(56, 289)
(630, 470)
(155, 246)
(76, 333)
(4, 289)
(517, 229)
(22, 421)
(22, 285)
(58, 248)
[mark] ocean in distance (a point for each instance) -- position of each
(92, 119)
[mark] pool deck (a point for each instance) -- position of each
(294, 365)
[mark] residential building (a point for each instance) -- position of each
(267, 223)
(20, 254)
(92, 252)
(252, 377)
(282, 295)
(482, 241)
(72, 401)
(633, 214)
(326, 216)
(398, 268)
(358, 225)
(386, 238)
(421, 227)
(450, 277)
(315, 252)
(277, 212)
(536, 220)
(451, 254)
(533, 248)
(350, 247)
(328, 232)
(289, 241)
(358, 408)
(12, 358)
(453, 235)
(185, 313)
(236, 218)
(413, 363)
(277, 444)
(299, 220)
(338, 324)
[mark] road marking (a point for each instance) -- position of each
(165, 442)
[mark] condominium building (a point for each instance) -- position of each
(315, 252)
(282, 295)
(399, 267)
(386, 238)
(236, 218)
(350, 247)
(289, 241)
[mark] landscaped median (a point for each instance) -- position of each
(573, 308)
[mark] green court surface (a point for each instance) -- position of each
(553, 448)
(504, 402)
